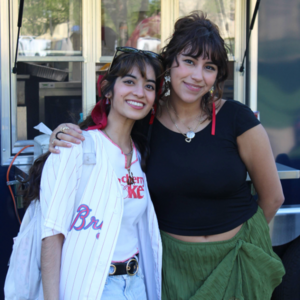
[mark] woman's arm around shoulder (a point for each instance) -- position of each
(255, 151)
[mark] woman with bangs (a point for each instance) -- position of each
(215, 234)
(100, 236)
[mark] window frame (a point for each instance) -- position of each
(253, 59)
(5, 82)
(91, 55)
(240, 46)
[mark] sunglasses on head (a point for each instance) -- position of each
(133, 50)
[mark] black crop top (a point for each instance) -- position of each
(199, 188)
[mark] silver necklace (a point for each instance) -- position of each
(130, 175)
(129, 153)
(188, 135)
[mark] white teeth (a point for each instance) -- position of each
(135, 103)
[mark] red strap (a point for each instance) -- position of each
(99, 126)
(153, 114)
(213, 125)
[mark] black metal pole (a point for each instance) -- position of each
(248, 38)
(14, 70)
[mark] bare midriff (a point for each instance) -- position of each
(208, 238)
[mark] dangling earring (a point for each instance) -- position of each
(107, 102)
(211, 91)
(167, 84)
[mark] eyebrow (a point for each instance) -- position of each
(132, 76)
(190, 55)
(196, 57)
(150, 80)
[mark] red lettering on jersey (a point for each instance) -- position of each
(83, 212)
(131, 191)
(139, 190)
(94, 222)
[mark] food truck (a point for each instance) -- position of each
(49, 69)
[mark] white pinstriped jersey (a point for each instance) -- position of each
(91, 233)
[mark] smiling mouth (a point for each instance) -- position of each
(193, 87)
(135, 104)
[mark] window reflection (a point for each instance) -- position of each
(134, 23)
(51, 28)
(221, 12)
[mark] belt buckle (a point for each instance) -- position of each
(114, 271)
(135, 266)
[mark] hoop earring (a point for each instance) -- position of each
(167, 84)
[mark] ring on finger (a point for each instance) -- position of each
(56, 136)
(53, 141)
(65, 128)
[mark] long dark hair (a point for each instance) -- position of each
(122, 65)
(197, 36)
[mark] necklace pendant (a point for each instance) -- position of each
(130, 179)
(190, 134)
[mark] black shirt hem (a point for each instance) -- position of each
(218, 230)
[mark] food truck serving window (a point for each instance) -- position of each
(47, 86)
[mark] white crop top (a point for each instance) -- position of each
(135, 202)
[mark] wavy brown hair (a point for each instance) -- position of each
(198, 36)
(122, 65)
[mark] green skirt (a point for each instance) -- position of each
(244, 267)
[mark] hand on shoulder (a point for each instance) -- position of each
(63, 135)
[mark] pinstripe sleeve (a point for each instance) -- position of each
(59, 183)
